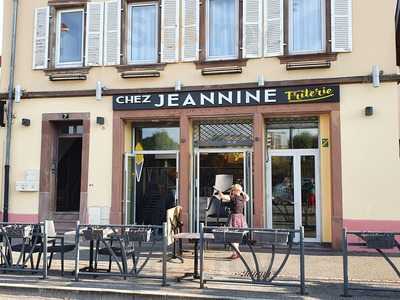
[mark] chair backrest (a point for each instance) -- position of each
(223, 182)
(51, 229)
(216, 208)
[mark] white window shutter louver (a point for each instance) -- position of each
(94, 34)
(190, 27)
(112, 33)
(41, 38)
(169, 30)
(252, 28)
(342, 28)
(273, 28)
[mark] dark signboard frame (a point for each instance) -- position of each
(228, 97)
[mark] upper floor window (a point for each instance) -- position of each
(143, 33)
(222, 29)
(307, 29)
(69, 49)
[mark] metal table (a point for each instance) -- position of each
(193, 238)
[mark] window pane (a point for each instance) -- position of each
(305, 138)
(222, 28)
(293, 138)
(166, 138)
(71, 37)
(306, 26)
(280, 138)
(144, 33)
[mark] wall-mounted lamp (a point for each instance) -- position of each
(178, 85)
(260, 80)
(376, 76)
(26, 122)
(100, 120)
(18, 92)
(369, 111)
(99, 90)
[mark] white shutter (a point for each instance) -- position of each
(190, 34)
(94, 34)
(252, 28)
(342, 27)
(112, 33)
(169, 30)
(273, 31)
(41, 38)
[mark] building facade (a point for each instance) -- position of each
(131, 107)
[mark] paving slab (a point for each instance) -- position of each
(323, 274)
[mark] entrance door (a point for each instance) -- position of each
(69, 164)
(293, 191)
(237, 165)
(151, 186)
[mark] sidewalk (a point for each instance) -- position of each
(323, 280)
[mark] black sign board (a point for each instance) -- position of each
(229, 97)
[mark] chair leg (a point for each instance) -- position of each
(62, 261)
(38, 260)
(109, 263)
(50, 260)
(30, 259)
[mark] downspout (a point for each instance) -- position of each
(10, 106)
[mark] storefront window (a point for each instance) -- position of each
(293, 134)
(157, 138)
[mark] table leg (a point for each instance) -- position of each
(196, 260)
(91, 256)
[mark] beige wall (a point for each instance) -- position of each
(370, 152)
(373, 43)
(26, 147)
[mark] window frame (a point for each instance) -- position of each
(57, 62)
(324, 27)
(129, 33)
(238, 22)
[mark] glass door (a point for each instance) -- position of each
(151, 186)
(236, 166)
(293, 191)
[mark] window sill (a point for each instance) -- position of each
(202, 64)
(66, 3)
(61, 74)
(327, 57)
(146, 67)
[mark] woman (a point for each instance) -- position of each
(238, 198)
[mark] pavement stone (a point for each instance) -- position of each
(323, 275)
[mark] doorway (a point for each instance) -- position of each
(69, 165)
(235, 164)
(293, 191)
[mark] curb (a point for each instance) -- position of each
(64, 292)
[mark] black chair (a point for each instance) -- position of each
(31, 243)
(218, 210)
(56, 244)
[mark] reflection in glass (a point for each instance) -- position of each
(282, 192)
(306, 20)
(71, 32)
(166, 138)
(308, 197)
(222, 28)
(143, 33)
(294, 138)
(155, 192)
(212, 164)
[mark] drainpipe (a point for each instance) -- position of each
(10, 106)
